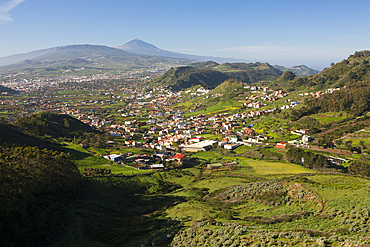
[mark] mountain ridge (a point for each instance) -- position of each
(141, 47)
(96, 56)
(135, 46)
(16, 58)
(299, 70)
(213, 75)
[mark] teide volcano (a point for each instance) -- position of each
(140, 47)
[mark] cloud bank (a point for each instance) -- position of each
(5, 8)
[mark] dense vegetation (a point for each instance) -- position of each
(41, 189)
(250, 72)
(36, 188)
(7, 90)
(354, 99)
(230, 86)
(55, 125)
(210, 75)
(184, 77)
(307, 159)
(352, 70)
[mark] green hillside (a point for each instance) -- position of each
(204, 65)
(210, 75)
(31, 130)
(7, 90)
(249, 72)
(229, 86)
(55, 125)
(353, 69)
(185, 77)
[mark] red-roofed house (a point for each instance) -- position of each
(281, 145)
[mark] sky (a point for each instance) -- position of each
(288, 33)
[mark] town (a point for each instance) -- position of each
(133, 114)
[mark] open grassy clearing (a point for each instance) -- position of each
(241, 149)
(267, 168)
(356, 142)
(197, 210)
(329, 117)
(207, 155)
(217, 183)
(212, 136)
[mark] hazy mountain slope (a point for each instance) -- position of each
(204, 65)
(301, 70)
(24, 56)
(140, 47)
(250, 72)
(95, 56)
(73, 51)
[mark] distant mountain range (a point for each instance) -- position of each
(138, 46)
(133, 55)
(23, 56)
(87, 56)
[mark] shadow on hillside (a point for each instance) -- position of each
(125, 221)
(76, 154)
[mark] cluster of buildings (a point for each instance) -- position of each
(144, 161)
(166, 125)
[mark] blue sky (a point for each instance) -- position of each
(314, 33)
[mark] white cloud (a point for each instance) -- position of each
(5, 8)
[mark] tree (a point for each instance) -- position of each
(338, 143)
(360, 168)
(362, 145)
(347, 144)
(321, 143)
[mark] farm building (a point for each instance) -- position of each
(200, 146)
(231, 146)
(214, 166)
(156, 166)
(306, 139)
(113, 157)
